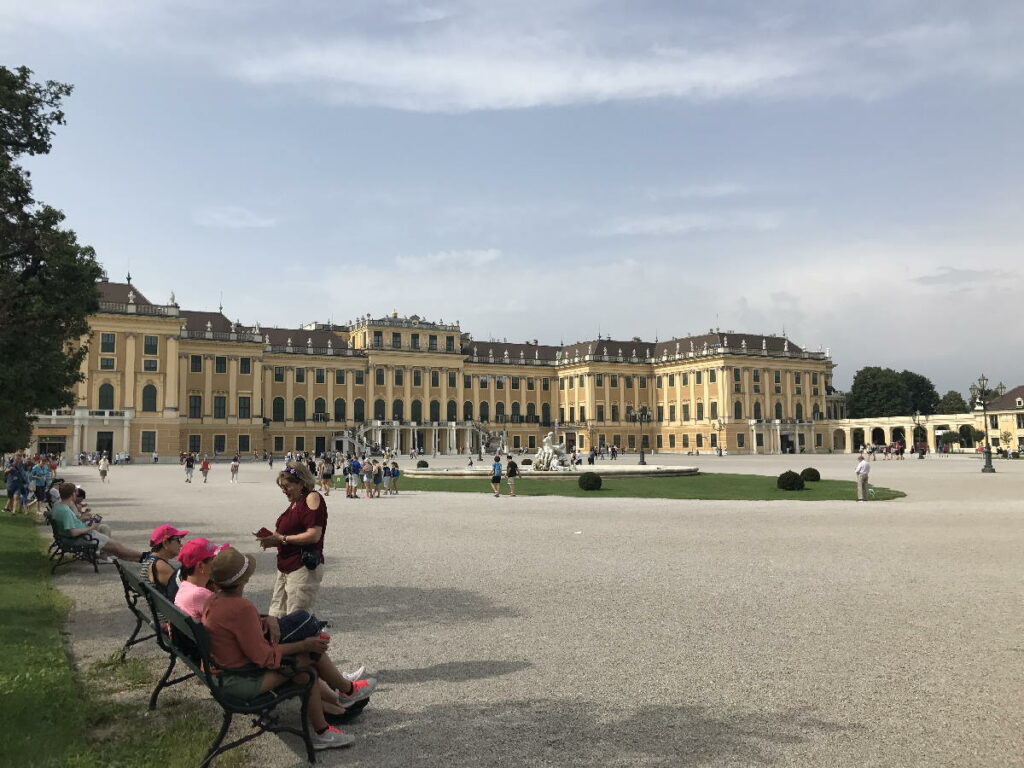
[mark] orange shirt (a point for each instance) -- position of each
(236, 635)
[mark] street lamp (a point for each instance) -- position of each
(718, 426)
(917, 425)
(640, 415)
(981, 395)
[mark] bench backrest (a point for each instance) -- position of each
(187, 640)
(133, 593)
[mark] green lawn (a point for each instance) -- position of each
(702, 486)
(56, 716)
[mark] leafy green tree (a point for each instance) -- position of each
(923, 397)
(953, 402)
(878, 392)
(47, 280)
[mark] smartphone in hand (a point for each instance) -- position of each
(262, 533)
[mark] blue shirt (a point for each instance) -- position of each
(39, 475)
(496, 469)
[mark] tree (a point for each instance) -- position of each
(923, 397)
(47, 280)
(878, 392)
(953, 402)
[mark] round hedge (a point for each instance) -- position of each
(790, 481)
(811, 475)
(590, 481)
(421, 464)
(526, 462)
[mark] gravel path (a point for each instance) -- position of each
(566, 632)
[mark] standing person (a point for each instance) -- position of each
(386, 474)
(378, 478)
(511, 473)
(17, 485)
(395, 472)
(352, 478)
(326, 474)
(270, 460)
(299, 539)
(234, 469)
(496, 476)
(39, 476)
(190, 466)
(862, 472)
(104, 467)
(367, 469)
(205, 467)
(156, 457)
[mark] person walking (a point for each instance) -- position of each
(104, 467)
(511, 475)
(205, 468)
(862, 472)
(395, 473)
(496, 476)
(326, 474)
(234, 469)
(190, 467)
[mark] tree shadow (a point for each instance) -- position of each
(453, 671)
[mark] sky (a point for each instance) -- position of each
(849, 174)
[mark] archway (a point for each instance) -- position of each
(857, 438)
(299, 409)
(966, 433)
(839, 441)
(453, 411)
(899, 435)
(878, 436)
(359, 410)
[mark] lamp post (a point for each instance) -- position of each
(981, 395)
(640, 415)
(718, 426)
(917, 425)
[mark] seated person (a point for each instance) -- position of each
(85, 513)
(196, 558)
(64, 515)
(237, 640)
(156, 568)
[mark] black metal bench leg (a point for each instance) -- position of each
(212, 751)
(304, 714)
(128, 643)
(163, 682)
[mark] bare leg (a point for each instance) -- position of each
(118, 549)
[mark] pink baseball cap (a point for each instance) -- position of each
(196, 551)
(163, 532)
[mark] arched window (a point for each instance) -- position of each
(757, 411)
(435, 410)
(277, 410)
(106, 397)
(320, 408)
(453, 411)
(778, 410)
(299, 410)
(700, 411)
(398, 410)
(545, 413)
(358, 410)
(379, 410)
(799, 412)
(339, 409)
(816, 413)
(516, 412)
(499, 412)
(531, 412)
(737, 410)
(416, 411)
(149, 398)
(485, 411)
(467, 411)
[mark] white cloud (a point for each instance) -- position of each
(231, 217)
(688, 223)
(456, 260)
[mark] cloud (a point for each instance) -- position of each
(689, 223)
(456, 260)
(231, 217)
(961, 278)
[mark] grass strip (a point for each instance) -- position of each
(53, 716)
(709, 486)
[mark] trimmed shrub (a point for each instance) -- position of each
(421, 464)
(526, 462)
(590, 481)
(790, 481)
(811, 475)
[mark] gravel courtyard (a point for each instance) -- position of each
(544, 631)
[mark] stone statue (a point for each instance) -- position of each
(131, 297)
(785, 346)
(289, 342)
(725, 342)
(266, 339)
(550, 456)
(309, 341)
(209, 326)
(764, 343)
(691, 346)
(743, 345)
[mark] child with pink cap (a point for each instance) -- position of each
(195, 558)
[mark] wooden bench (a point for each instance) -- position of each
(189, 643)
(66, 549)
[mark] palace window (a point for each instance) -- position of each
(545, 384)
(195, 363)
(452, 378)
(195, 406)
(659, 382)
(530, 384)
(220, 407)
(672, 383)
(686, 411)
(149, 398)
(148, 443)
(415, 339)
(378, 377)
(245, 407)
(449, 344)
(107, 343)
(740, 440)
(243, 444)
(499, 382)
(107, 363)
(245, 366)
(700, 411)
(300, 443)
(686, 441)
(396, 341)
(279, 443)
(714, 410)
(671, 441)
(339, 377)
(615, 413)
(195, 443)
(220, 364)
(643, 381)
(277, 409)
(700, 441)
(150, 365)
(321, 375)
(278, 373)
(219, 443)
(736, 376)
(483, 382)
(661, 413)
(598, 379)
(685, 379)
(399, 377)
(515, 382)
(417, 378)
(378, 339)
(712, 374)
(360, 378)
(580, 381)
(467, 381)
(600, 413)
(614, 381)
(432, 342)
(672, 413)
(698, 377)
(150, 345)
(629, 381)
(300, 375)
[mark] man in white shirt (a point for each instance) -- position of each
(863, 470)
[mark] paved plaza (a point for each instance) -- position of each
(545, 631)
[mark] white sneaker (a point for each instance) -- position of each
(354, 675)
(332, 738)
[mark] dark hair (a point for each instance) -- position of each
(66, 490)
(186, 571)
(497, 458)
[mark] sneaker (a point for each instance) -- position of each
(361, 689)
(332, 738)
(354, 675)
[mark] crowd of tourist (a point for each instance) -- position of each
(253, 651)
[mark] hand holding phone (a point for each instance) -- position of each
(262, 533)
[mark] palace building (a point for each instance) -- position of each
(159, 378)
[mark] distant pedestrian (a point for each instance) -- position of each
(190, 466)
(862, 472)
(511, 475)
(205, 468)
(104, 467)
(395, 473)
(234, 469)
(496, 476)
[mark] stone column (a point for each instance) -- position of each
(183, 367)
(129, 373)
(207, 385)
(268, 391)
(232, 411)
(172, 365)
(289, 396)
(389, 389)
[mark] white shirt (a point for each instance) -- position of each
(863, 468)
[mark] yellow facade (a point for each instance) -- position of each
(162, 379)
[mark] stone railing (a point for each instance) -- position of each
(131, 308)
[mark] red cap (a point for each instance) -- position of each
(196, 551)
(163, 532)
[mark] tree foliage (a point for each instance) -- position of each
(953, 402)
(885, 392)
(47, 280)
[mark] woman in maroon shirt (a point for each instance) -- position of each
(299, 538)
